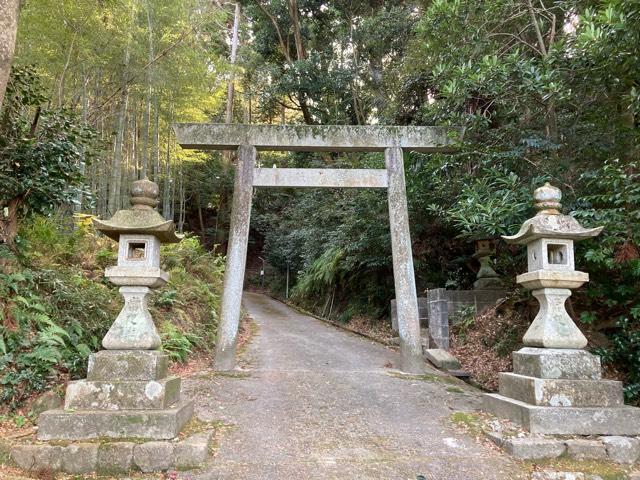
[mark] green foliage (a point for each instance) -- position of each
(176, 343)
(42, 151)
(322, 274)
(625, 351)
(491, 203)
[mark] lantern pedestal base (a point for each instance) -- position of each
(560, 391)
(623, 420)
(163, 424)
(127, 394)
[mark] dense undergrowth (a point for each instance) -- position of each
(56, 305)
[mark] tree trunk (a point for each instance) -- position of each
(147, 111)
(181, 213)
(9, 223)
(300, 55)
(200, 217)
(116, 167)
(63, 75)
(155, 152)
(85, 112)
(9, 12)
(166, 188)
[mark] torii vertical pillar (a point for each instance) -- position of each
(225, 358)
(403, 276)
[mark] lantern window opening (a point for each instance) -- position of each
(557, 254)
(136, 250)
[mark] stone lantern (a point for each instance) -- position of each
(139, 233)
(127, 393)
(486, 278)
(556, 386)
(551, 274)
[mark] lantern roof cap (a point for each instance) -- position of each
(549, 222)
(141, 218)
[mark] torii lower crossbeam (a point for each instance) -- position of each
(248, 139)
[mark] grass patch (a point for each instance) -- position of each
(195, 425)
(470, 422)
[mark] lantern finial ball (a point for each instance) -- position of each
(144, 194)
(547, 200)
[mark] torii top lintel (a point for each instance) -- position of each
(310, 138)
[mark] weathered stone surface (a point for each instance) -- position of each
(47, 401)
(154, 456)
(320, 177)
(411, 360)
(227, 339)
(566, 420)
(552, 327)
(133, 328)
(560, 392)
(496, 437)
(87, 424)
(115, 458)
(37, 457)
(127, 395)
(109, 365)
(622, 449)
(80, 458)
(550, 363)
(315, 137)
(528, 448)
(442, 359)
(193, 451)
(586, 449)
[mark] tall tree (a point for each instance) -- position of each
(9, 12)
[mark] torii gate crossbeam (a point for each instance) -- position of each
(248, 139)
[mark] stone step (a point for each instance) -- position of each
(107, 365)
(123, 395)
(622, 420)
(87, 424)
(442, 359)
(556, 363)
(562, 393)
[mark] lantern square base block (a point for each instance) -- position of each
(127, 394)
(623, 420)
(561, 392)
(161, 424)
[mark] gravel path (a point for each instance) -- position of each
(321, 403)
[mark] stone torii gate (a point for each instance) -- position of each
(248, 139)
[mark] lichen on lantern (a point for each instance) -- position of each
(549, 237)
(139, 231)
